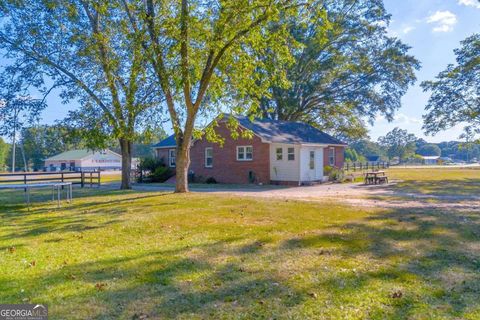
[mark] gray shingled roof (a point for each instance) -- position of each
(287, 131)
(167, 142)
(276, 131)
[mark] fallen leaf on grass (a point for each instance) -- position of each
(100, 286)
(12, 249)
(397, 294)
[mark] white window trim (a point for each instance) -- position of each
(170, 158)
(206, 165)
(244, 153)
(329, 157)
(279, 154)
(290, 153)
(311, 162)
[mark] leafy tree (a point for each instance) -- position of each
(84, 49)
(352, 155)
(455, 92)
(399, 143)
(347, 69)
(429, 149)
(366, 148)
(43, 141)
(17, 109)
(4, 149)
(420, 142)
(209, 56)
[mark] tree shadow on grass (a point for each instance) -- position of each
(167, 284)
(76, 217)
(441, 190)
(403, 263)
(433, 254)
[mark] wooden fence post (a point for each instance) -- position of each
(82, 179)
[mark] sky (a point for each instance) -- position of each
(433, 28)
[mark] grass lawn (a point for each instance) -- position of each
(130, 255)
(441, 181)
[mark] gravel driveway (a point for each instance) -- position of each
(357, 194)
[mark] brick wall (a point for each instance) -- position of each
(163, 154)
(339, 157)
(226, 168)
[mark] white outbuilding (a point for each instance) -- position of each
(85, 160)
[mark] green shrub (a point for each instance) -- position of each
(327, 170)
(161, 174)
(150, 164)
(336, 175)
(211, 180)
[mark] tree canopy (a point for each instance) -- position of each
(399, 143)
(347, 69)
(429, 150)
(210, 56)
(4, 149)
(455, 92)
(87, 50)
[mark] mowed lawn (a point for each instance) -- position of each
(151, 255)
(441, 181)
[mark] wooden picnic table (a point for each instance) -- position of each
(376, 177)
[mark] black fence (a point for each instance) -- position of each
(365, 166)
(84, 178)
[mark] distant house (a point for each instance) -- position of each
(85, 160)
(430, 160)
(280, 152)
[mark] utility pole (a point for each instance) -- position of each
(13, 139)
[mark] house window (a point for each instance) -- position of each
(279, 153)
(312, 160)
(245, 153)
(331, 156)
(172, 158)
(291, 154)
(208, 157)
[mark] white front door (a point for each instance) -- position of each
(312, 164)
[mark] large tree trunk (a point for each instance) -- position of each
(126, 147)
(182, 165)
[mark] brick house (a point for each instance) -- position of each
(280, 152)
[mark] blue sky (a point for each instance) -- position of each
(433, 28)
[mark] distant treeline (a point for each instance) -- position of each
(37, 143)
(363, 150)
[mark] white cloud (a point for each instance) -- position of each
(408, 29)
(470, 3)
(443, 20)
(401, 118)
